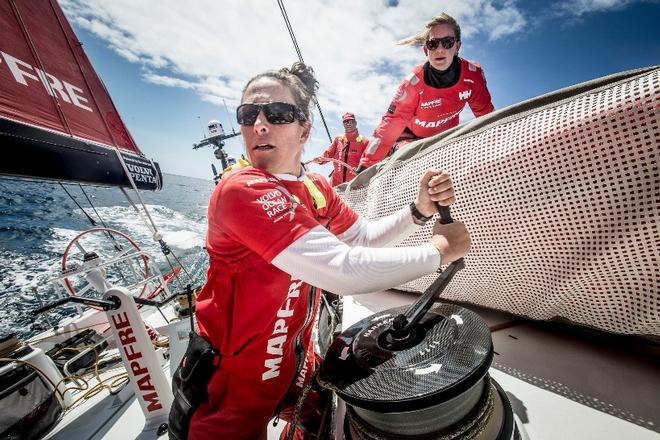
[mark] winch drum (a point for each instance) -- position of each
(428, 382)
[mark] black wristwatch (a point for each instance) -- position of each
(418, 215)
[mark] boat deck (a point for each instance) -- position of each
(564, 382)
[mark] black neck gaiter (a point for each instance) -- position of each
(440, 79)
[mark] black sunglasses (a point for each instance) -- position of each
(275, 112)
(447, 43)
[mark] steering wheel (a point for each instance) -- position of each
(107, 244)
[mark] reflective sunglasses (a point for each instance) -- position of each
(447, 43)
(275, 112)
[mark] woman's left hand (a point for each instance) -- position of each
(434, 186)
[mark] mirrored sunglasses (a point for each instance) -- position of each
(446, 42)
(275, 112)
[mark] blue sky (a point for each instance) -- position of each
(169, 65)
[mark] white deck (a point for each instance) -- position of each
(562, 372)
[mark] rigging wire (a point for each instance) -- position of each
(229, 116)
(163, 246)
(92, 205)
(115, 243)
(330, 159)
(165, 249)
(201, 127)
(289, 28)
(91, 220)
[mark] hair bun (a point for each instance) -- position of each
(306, 75)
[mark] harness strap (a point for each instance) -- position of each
(319, 198)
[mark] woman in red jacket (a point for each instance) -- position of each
(277, 235)
(430, 99)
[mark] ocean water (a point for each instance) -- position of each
(38, 220)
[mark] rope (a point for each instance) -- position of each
(159, 184)
(153, 227)
(341, 162)
(299, 405)
(11, 346)
(114, 241)
(73, 331)
(112, 384)
(467, 429)
(289, 28)
(308, 386)
(38, 370)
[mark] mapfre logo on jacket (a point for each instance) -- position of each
(437, 109)
(275, 345)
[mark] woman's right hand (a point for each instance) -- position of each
(452, 240)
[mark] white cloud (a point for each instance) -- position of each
(580, 7)
(214, 47)
(168, 81)
(502, 22)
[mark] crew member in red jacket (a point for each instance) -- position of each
(277, 235)
(431, 98)
(346, 149)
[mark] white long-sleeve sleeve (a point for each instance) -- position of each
(382, 232)
(320, 258)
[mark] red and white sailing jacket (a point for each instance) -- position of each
(348, 148)
(258, 317)
(426, 111)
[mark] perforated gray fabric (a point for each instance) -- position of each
(561, 195)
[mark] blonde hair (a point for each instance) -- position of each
(420, 38)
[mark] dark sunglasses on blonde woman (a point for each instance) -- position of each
(446, 42)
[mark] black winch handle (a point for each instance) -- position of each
(445, 214)
(106, 304)
(112, 303)
(403, 324)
